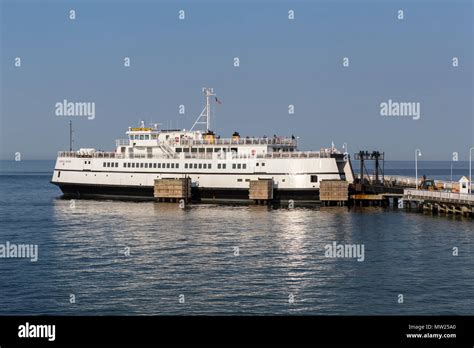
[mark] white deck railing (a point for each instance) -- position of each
(242, 141)
(122, 142)
(208, 155)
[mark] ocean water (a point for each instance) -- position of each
(190, 254)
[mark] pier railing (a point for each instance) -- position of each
(450, 197)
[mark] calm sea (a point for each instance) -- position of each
(211, 259)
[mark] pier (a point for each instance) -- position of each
(439, 202)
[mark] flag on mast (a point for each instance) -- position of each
(218, 101)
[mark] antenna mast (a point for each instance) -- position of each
(70, 135)
(205, 116)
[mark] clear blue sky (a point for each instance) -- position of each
(282, 62)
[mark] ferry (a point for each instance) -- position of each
(218, 168)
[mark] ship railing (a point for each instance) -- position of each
(295, 154)
(75, 154)
(209, 155)
(233, 155)
(245, 141)
(122, 142)
(103, 154)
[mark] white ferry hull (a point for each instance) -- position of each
(292, 178)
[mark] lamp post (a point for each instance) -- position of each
(451, 172)
(344, 145)
(470, 169)
(417, 153)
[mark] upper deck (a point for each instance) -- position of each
(285, 141)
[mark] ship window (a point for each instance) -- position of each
(282, 180)
(153, 136)
(124, 164)
(244, 166)
(133, 165)
(200, 165)
(108, 164)
(263, 164)
(116, 164)
(167, 165)
(209, 149)
(239, 180)
(193, 149)
(172, 165)
(141, 165)
(204, 165)
(239, 166)
(314, 178)
(105, 164)
(146, 165)
(142, 137)
(234, 165)
(202, 149)
(217, 149)
(209, 166)
(195, 165)
(147, 137)
(177, 165)
(178, 149)
(59, 174)
(218, 166)
(247, 180)
(154, 165)
(185, 149)
(185, 166)
(223, 166)
(257, 164)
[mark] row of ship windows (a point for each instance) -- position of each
(174, 165)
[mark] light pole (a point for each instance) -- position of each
(451, 172)
(417, 153)
(344, 145)
(470, 169)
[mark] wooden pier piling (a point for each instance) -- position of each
(172, 190)
(261, 190)
(334, 192)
